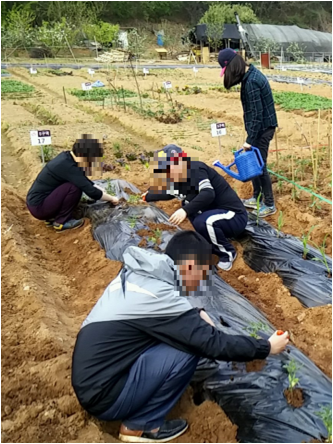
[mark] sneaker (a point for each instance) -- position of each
(226, 266)
(49, 223)
(250, 203)
(265, 211)
(69, 225)
(167, 432)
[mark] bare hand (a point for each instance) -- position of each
(206, 318)
(178, 217)
(247, 146)
(278, 342)
(114, 200)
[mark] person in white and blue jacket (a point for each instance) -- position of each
(139, 347)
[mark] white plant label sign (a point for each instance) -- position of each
(167, 85)
(91, 72)
(33, 71)
(195, 69)
(145, 71)
(218, 129)
(39, 138)
(300, 80)
(86, 86)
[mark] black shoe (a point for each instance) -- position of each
(69, 225)
(167, 432)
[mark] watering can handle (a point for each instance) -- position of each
(260, 160)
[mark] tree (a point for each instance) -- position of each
(225, 13)
(297, 52)
(101, 31)
(213, 18)
(265, 45)
(53, 36)
(18, 26)
(136, 43)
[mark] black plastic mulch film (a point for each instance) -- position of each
(252, 400)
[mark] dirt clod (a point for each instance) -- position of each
(294, 397)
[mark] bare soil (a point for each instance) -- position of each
(50, 281)
(294, 397)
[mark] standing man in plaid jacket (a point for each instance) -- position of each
(259, 118)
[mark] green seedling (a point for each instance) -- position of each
(280, 186)
(49, 153)
(127, 167)
(117, 150)
(292, 367)
(280, 222)
(196, 147)
(133, 199)
(156, 237)
(146, 165)
(132, 221)
(255, 327)
(325, 414)
(305, 240)
(110, 188)
(258, 206)
(295, 194)
(323, 259)
(314, 204)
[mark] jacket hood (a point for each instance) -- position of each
(147, 263)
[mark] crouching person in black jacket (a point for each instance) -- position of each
(212, 206)
(139, 347)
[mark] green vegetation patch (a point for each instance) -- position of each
(97, 94)
(15, 86)
(307, 102)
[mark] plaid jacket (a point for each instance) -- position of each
(258, 104)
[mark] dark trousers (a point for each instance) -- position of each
(263, 184)
(59, 205)
(217, 226)
(156, 381)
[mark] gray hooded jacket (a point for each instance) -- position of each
(138, 310)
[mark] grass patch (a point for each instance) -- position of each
(45, 116)
(98, 94)
(307, 102)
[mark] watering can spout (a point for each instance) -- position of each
(227, 169)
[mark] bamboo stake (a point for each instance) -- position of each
(293, 173)
(123, 94)
(318, 149)
(313, 163)
(63, 88)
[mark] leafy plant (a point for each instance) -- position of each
(196, 147)
(292, 367)
(280, 222)
(127, 167)
(156, 237)
(280, 186)
(254, 327)
(15, 86)
(117, 150)
(291, 101)
(294, 193)
(258, 206)
(132, 221)
(305, 239)
(296, 51)
(134, 199)
(325, 414)
(323, 258)
(49, 153)
(110, 189)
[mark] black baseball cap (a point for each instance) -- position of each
(225, 57)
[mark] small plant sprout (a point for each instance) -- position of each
(156, 236)
(314, 204)
(305, 241)
(292, 367)
(132, 221)
(325, 414)
(146, 165)
(280, 186)
(48, 152)
(110, 188)
(280, 222)
(258, 206)
(133, 199)
(127, 167)
(254, 327)
(323, 258)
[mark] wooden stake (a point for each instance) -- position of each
(63, 88)
(318, 144)
(292, 172)
(123, 94)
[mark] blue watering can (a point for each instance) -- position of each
(249, 165)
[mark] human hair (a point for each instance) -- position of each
(188, 245)
(88, 147)
(235, 72)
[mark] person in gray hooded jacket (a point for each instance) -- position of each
(139, 347)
